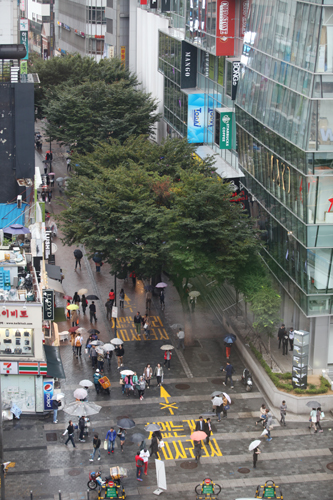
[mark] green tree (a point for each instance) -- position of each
(123, 204)
(73, 70)
(265, 305)
(86, 114)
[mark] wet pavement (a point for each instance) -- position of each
(295, 459)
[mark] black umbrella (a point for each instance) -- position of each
(138, 437)
(313, 404)
(92, 297)
(78, 254)
(93, 330)
(126, 423)
(97, 257)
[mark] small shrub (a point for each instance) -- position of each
(311, 386)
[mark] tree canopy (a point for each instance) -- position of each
(147, 207)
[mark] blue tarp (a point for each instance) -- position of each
(10, 214)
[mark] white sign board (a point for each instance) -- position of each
(160, 477)
(115, 312)
(23, 24)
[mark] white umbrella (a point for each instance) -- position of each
(108, 347)
(161, 285)
(167, 347)
(81, 330)
(264, 432)
(99, 350)
(80, 393)
(216, 393)
(82, 291)
(217, 401)
(227, 396)
(176, 326)
(127, 372)
(194, 294)
(117, 341)
(85, 383)
(254, 444)
(82, 408)
(97, 342)
(59, 396)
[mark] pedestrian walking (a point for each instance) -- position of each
(144, 454)
(68, 312)
(133, 276)
(74, 318)
(129, 386)
(227, 349)
(68, 162)
(121, 298)
(154, 446)
(146, 326)
(108, 357)
(197, 450)
(96, 448)
(225, 405)
(111, 438)
(283, 413)
(147, 374)
(97, 376)
(78, 344)
(200, 425)
(108, 306)
(70, 432)
(181, 338)
(256, 452)
(92, 310)
(78, 256)
(285, 341)
(281, 334)
(319, 417)
(100, 361)
(141, 387)
(73, 342)
(112, 297)
(162, 298)
(313, 419)
(219, 410)
(49, 194)
(55, 407)
(268, 424)
(229, 370)
(158, 372)
(262, 414)
(122, 435)
(82, 424)
(76, 299)
(148, 300)
(208, 430)
(93, 356)
(291, 339)
(139, 467)
(137, 322)
(119, 351)
(167, 358)
(84, 304)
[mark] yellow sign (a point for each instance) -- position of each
(167, 405)
(123, 54)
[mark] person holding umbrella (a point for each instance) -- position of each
(154, 446)
(254, 446)
(167, 358)
(92, 310)
(93, 356)
(78, 256)
(119, 350)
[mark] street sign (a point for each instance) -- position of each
(48, 305)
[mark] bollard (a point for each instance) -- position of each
(87, 494)
(31, 497)
(59, 494)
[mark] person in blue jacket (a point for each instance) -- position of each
(97, 376)
(110, 438)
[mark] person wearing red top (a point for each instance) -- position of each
(112, 297)
(167, 358)
(139, 464)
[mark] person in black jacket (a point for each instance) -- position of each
(92, 310)
(70, 431)
(119, 350)
(82, 423)
(96, 447)
(78, 256)
(281, 334)
(219, 410)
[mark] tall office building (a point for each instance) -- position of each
(284, 114)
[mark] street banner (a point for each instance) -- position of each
(225, 27)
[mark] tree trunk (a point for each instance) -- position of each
(269, 350)
(245, 314)
(237, 298)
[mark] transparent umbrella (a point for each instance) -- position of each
(82, 408)
(80, 394)
(85, 383)
(116, 341)
(152, 427)
(108, 347)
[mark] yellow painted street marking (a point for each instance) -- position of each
(170, 406)
(174, 450)
(127, 332)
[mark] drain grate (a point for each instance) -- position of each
(74, 472)
(330, 466)
(182, 387)
(243, 470)
(217, 381)
(189, 465)
(51, 437)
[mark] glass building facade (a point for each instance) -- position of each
(284, 113)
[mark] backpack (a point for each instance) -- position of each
(78, 342)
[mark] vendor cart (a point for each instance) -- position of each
(207, 490)
(113, 487)
(269, 490)
(106, 384)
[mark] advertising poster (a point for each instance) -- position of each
(235, 78)
(196, 118)
(225, 27)
(48, 387)
(210, 119)
(226, 130)
(24, 41)
(188, 73)
(243, 17)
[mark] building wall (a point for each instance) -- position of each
(8, 22)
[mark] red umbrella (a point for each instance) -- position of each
(73, 329)
(68, 297)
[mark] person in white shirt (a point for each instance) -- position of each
(78, 344)
(144, 454)
(158, 372)
(291, 339)
(181, 337)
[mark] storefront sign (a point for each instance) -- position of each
(188, 73)
(123, 55)
(153, 4)
(14, 313)
(32, 368)
(24, 24)
(48, 387)
(226, 130)
(24, 41)
(235, 78)
(48, 305)
(196, 118)
(165, 6)
(24, 67)
(243, 17)
(9, 368)
(225, 27)
(47, 245)
(143, 2)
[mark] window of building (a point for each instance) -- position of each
(110, 4)
(16, 342)
(96, 15)
(109, 26)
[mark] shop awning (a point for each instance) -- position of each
(54, 364)
(55, 285)
(53, 272)
(223, 169)
(10, 214)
